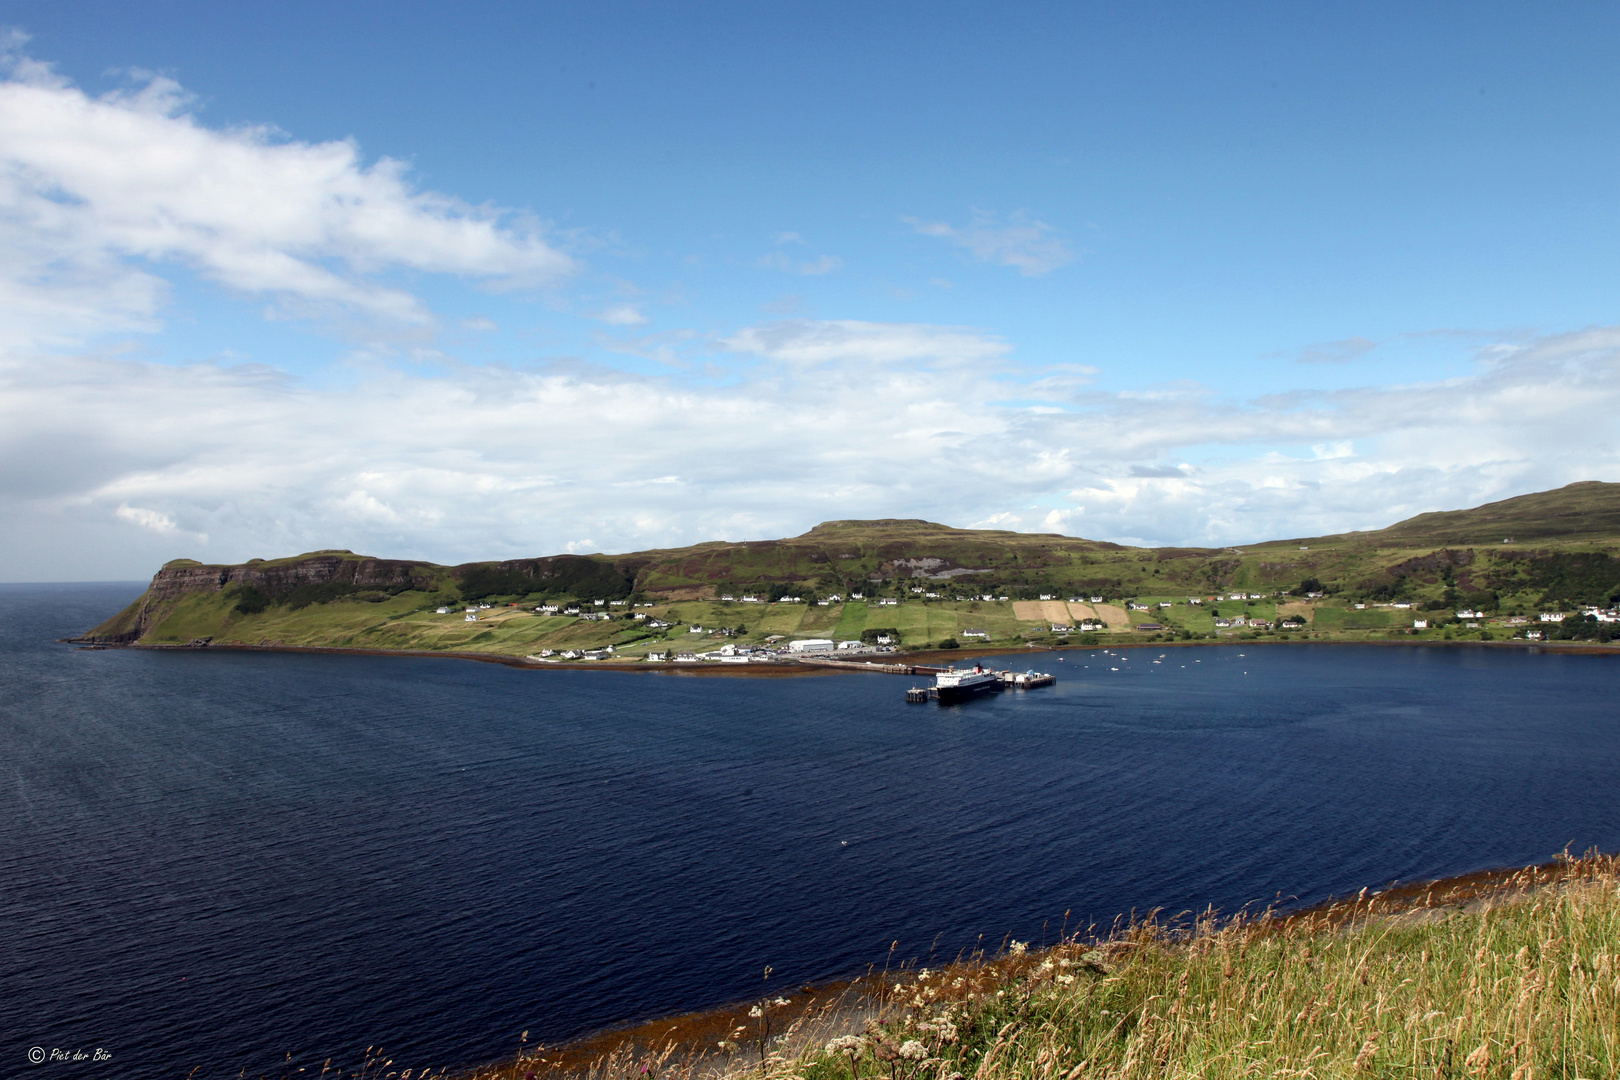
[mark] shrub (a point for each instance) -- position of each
(250, 600)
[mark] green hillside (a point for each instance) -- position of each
(1507, 561)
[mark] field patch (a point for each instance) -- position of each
(1297, 608)
(1048, 611)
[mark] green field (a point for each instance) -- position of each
(1556, 550)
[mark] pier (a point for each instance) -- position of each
(1010, 680)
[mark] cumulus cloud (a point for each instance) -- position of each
(98, 194)
(824, 420)
(805, 341)
(162, 524)
(1029, 246)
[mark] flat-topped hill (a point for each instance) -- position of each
(1549, 546)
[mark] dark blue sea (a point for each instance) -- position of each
(215, 860)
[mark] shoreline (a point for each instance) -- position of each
(795, 669)
(846, 1005)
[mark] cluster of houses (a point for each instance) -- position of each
(471, 614)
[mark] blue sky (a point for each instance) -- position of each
(478, 280)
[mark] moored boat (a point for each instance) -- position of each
(953, 685)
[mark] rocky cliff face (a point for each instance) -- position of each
(283, 577)
(183, 577)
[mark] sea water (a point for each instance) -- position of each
(219, 859)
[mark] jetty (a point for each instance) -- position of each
(868, 665)
(1010, 680)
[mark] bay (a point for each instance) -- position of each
(216, 860)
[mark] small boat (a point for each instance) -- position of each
(953, 685)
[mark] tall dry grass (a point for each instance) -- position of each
(1513, 976)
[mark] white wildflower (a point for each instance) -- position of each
(1046, 966)
(780, 1002)
(1018, 948)
(845, 1044)
(756, 1012)
(912, 1050)
(1065, 979)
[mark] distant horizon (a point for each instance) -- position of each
(617, 554)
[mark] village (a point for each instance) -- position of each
(750, 628)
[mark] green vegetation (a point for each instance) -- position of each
(1557, 550)
(1510, 976)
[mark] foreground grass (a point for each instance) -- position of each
(1519, 980)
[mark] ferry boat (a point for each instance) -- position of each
(952, 685)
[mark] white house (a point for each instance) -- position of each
(1467, 613)
(657, 657)
(1096, 599)
(442, 611)
(694, 629)
(857, 596)
(885, 639)
(1060, 628)
(1046, 596)
(750, 599)
(471, 616)
(1420, 624)
(846, 645)
(1552, 616)
(812, 645)
(1164, 604)
(1223, 622)
(1092, 627)
(726, 596)
(972, 632)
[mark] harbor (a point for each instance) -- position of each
(959, 684)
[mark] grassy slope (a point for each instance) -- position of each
(840, 556)
(1516, 977)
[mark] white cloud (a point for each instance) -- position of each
(146, 519)
(843, 419)
(98, 194)
(1029, 246)
(619, 315)
(805, 341)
